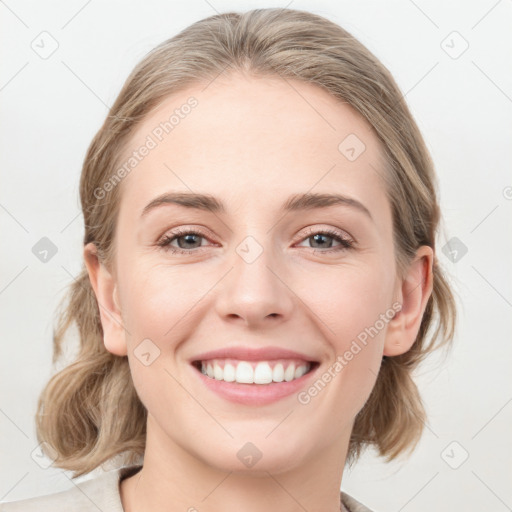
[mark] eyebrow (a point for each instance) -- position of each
(296, 202)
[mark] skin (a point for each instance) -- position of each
(252, 142)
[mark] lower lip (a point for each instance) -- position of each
(255, 394)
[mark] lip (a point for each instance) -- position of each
(254, 394)
(252, 354)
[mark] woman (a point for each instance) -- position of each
(260, 276)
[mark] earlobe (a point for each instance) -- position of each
(413, 294)
(106, 292)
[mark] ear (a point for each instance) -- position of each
(413, 293)
(105, 289)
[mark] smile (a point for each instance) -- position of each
(254, 383)
(254, 372)
(254, 376)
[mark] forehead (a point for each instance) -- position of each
(254, 139)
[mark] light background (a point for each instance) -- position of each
(52, 107)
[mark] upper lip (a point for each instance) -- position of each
(252, 354)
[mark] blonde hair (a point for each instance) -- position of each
(89, 412)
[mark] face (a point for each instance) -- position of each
(252, 274)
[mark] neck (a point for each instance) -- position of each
(174, 479)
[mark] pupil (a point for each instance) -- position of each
(315, 237)
(187, 239)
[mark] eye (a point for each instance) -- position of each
(187, 241)
(321, 239)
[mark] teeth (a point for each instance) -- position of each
(245, 372)
(262, 373)
(289, 373)
(299, 372)
(278, 373)
(229, 374)
(217, 372)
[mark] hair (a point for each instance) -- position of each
(89, 411)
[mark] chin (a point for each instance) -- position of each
(258, 457)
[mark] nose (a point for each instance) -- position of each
(255, 293)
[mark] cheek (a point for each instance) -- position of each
(352, 304)
(348, 300)
(159, 298)
(160, 307)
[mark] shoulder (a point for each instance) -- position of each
(99, 493)
(351, 504)
(102, 492)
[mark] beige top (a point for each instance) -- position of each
(102, 493)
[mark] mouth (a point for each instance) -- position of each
(254, 376)
(258, 373)
(254, 372)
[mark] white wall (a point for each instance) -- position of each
(52, 107)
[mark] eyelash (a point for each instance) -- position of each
(165, 242)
